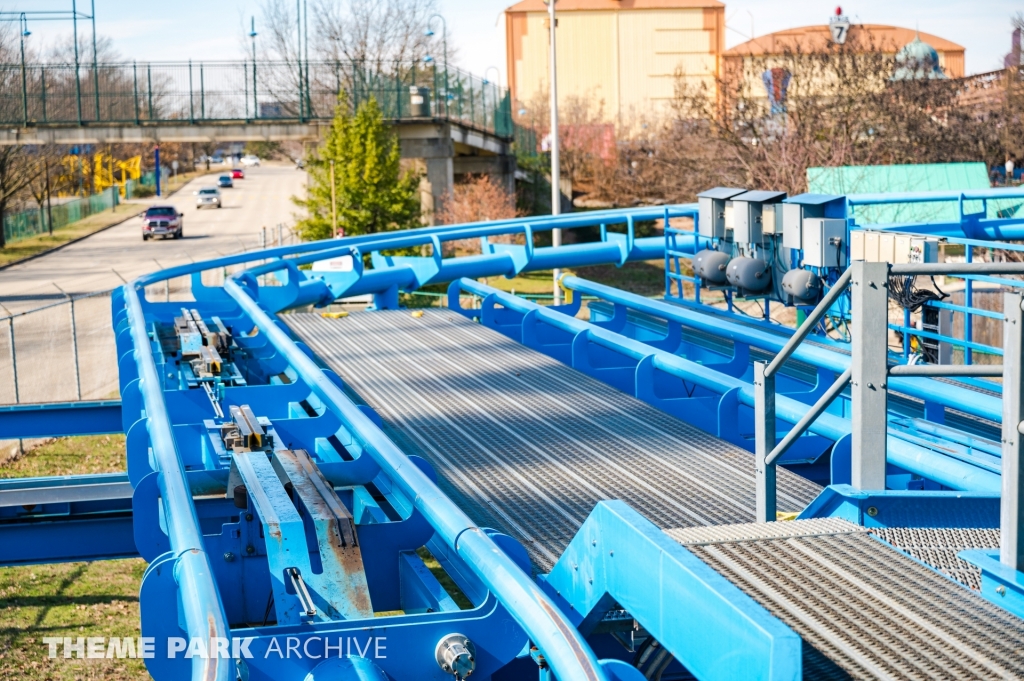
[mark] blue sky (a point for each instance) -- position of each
(211, 29)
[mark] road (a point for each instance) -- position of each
(100, 262)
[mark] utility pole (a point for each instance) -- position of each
(334, 205)
(255, 105)
(556, 191)
(49, 206)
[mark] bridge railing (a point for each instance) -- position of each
(179, 92)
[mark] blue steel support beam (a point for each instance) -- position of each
(564, 648)
(199, 599)
(60, 419)
(66, 518)
(949, 472)
(718, 632)
(962, 399)
(304, 253)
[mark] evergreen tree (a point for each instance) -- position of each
(373, 194)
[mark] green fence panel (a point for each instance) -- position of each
(29, 223)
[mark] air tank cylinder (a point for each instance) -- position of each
(710, 266)
(749, 274)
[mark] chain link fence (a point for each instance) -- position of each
(64, 351)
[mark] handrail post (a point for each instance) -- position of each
(42, 91)
(135, 89)
(764, 438)
(202, 94)
(869, 394)
(1011, 521)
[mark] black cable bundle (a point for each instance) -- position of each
(904, 292)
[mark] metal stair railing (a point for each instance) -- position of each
(868, 378)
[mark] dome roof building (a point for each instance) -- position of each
(918, 61)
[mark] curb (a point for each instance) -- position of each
(83, 237)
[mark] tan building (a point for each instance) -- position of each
(767, 61)
(876, 37)
(623, 54)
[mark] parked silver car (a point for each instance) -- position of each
(208, 196)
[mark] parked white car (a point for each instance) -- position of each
(250, 160)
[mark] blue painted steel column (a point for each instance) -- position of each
(563, 646)
(156, 154)
(968, 302)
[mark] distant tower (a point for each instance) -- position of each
(918, 61)
(1013, 59)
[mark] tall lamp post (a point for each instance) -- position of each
(497, 83)
(252, 34)
(444, 43)
(556, 191)
(23, 30)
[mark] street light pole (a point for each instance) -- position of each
(334, 204)
(23, 30)
(95, 62)
(444, 44)
(497, 84)
(556, 191)
(252, 34)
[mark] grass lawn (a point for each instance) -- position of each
(71, 599)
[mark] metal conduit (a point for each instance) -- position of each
(564, 648)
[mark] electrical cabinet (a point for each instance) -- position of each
(856, 245)
(793, 216)
(886, 247)
(871, 246)
(748, 215)
(711, 210)
(768, 213)
(901, 254)
(823, 242)
(924, 250)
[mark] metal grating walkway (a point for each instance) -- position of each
(939, 547)
(526, 444)
(863, 609)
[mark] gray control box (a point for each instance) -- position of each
(711, 210)
(824, 242)
(793, 216)
(748, 215)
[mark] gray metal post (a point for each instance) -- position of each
(14, 357)
(1011, 521)
(870, 294)
(167, 290)
(74, 349)
(764, 438)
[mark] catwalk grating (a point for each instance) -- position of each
(938, 547)
(863, 609)
(526, 444)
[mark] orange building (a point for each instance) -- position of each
(621, 54)
(873, 37)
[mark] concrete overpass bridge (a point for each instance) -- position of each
(453, 122)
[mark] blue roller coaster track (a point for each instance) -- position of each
(501, 489)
